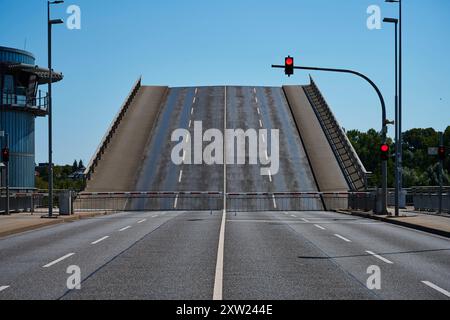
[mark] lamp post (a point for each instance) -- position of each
(397, 116)
(50, 23)
(400, 91)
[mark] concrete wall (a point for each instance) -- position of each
(324, 164)
(122, 158)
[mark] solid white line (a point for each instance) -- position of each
(435, 287)
(142, 221)
(225, 152)
(260, 123)
(181, 176)
(58, 260)
(3, 288)
(342, 238)
(320, 227)
(176, 202)
(274, 202)
(379, 257)
(100, 240)
(218, 282)
(126, 228)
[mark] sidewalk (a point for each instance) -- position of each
(21, 222)
(432, 223)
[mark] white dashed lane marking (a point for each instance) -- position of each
(126, 228)
(320, 227)
(2, 288)
(342, 238)
(379, 257)
(100, 240)
(142, 221)
(58, 260)
(437, 288)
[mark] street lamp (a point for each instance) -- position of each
(400, 92)
(397, 133)
(50, 23)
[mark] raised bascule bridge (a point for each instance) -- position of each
(315, 169)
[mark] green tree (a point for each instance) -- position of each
(75, 166)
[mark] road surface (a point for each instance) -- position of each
(267, 255)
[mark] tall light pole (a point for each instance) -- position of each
(400, 91)
(397, 131)
(50, 23)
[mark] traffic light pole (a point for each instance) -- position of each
(384, 122)
(441, 172)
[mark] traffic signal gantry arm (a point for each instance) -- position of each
(380, 96)
(383, 111)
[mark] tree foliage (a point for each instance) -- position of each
(419, 169)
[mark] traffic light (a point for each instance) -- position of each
(441, 153)
(289, 66)
(384, 152)
(5, 155)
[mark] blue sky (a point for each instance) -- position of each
(204, 42)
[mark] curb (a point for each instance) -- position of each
(50, 223)
(438, 232)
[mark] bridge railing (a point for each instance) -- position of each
(200, 201)
(149, 201)
(112, 129)
(351, 166)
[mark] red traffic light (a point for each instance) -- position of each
(385, 148)
(5, 155)
(289, 66)
(441, 153)
(384, 154)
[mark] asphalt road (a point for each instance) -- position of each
(270, 255)
(257, 108)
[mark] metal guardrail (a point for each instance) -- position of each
(149, 201)
(429, 202)
(352, 167)
(112, 129)
(201, 201)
